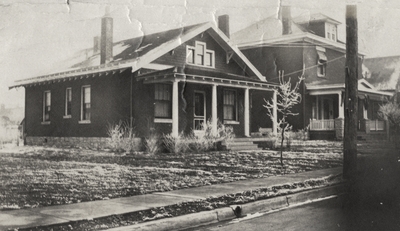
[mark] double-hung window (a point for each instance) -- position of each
(85, 104)
(321, 62)
(46, 106)
(199, 55)
(230, 105)
(162, 101)
(68, 102)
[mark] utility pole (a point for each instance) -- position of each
(350, 103)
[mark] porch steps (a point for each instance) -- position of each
(241, 144)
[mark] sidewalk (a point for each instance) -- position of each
(24, 218)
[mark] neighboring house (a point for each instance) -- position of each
(167, 82)
(310, 45)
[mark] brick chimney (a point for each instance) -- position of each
(286, 20)
(223, 24)
(106, 43)
(96, 44)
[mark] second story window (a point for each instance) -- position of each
(321, 62)
(199, 55)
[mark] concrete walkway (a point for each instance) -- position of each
(24, 218)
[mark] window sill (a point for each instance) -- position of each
(321, 76)
(198, 65)
(45, 123)
(231, 122)
(159, 120)
(67, 117)
(84, 122)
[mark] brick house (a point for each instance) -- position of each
(172, 82)
(311, 44)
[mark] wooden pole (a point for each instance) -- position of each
(351, 104)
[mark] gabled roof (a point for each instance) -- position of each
(318, 17)
(382, 72)
(139, 52)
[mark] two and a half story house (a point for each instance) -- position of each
(168, 82)
(310, 45)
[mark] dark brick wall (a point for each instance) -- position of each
(258, 113)
(109, 104)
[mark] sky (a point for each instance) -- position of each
(36, 36)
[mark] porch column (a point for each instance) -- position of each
(365, 111)
(246, 112)
(214, 115)
(175, 109)
(340, 106)
(275, 113)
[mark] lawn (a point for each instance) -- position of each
(37, 176)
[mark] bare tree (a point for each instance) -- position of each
(391, 112)
(287, 98)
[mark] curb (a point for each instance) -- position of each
(222, 214)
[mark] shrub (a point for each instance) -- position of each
(179, 144)
(122, 137)
(152, 143)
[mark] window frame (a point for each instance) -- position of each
(82, 119)
(66, 114)
(167, 118)
(235, 107)
(203, 55)
(44, 120)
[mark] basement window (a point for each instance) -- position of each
(199, 55)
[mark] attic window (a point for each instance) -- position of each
(199, 55)
(330, 32)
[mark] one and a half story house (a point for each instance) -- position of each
(310, 44)
(167, 82)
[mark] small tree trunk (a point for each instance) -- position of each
(282, 138)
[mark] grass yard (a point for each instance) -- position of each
(37, 176)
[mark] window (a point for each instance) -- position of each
(46, 106)
(331, 31)
(162, 101)
(321, 63)
(85, 104)
(199, 55)
(230, 105)
(68, 100)
(190, 51)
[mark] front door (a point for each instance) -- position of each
(199, 110)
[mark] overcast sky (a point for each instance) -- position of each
(37, 35)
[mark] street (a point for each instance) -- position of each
(372, 204)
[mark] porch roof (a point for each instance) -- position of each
(200, 76)
(363, 88)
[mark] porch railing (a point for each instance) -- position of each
(376, 125)
(322, 125)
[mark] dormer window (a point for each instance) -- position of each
(199, 55)
(330, 31)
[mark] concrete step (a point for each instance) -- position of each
(244, 147)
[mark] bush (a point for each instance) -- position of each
(152, 143)
(179, 144)
(122, 137)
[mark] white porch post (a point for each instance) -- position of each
(175, 109)
(214, 109)
(340, 106)
(275, 113)
(365, 111)
(246, 112)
